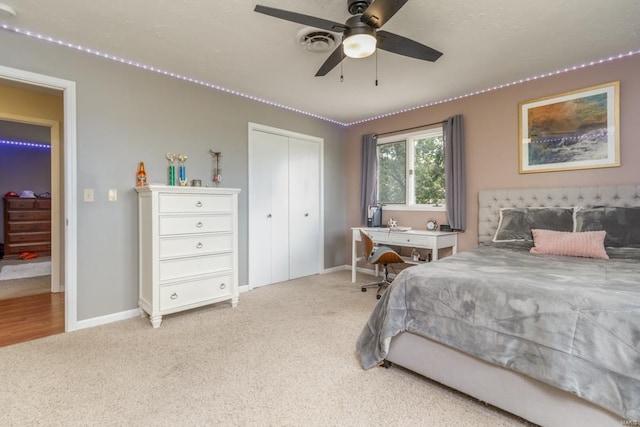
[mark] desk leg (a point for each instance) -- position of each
(434, 253)
(354, 258)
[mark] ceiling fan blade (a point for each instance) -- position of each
(334, 59)
(403, 46)
(311, 21)
(380, 11)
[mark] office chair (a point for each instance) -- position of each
(376, 256)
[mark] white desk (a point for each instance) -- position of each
(422, 239)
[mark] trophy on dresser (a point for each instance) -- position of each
(172, 168)
(183, 170)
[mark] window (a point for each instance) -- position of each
(411, 171)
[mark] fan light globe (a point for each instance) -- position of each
(359, 45)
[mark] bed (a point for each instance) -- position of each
(551, 338)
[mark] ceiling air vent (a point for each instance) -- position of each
(317, 41)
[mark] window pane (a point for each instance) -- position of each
(429, 170)
(392, 173)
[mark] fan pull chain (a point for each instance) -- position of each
(376, 67)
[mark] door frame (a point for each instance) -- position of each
(290, 134)
(68, 223)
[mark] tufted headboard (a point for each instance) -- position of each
(490, 201)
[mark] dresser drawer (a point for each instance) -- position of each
(44, 236)
(192, 203)
(172, 269)
(28, 215)
(195, 245)
(194, 292)
(171, 225)
(17, 248)
(28, 226)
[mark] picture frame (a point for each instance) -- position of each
(571, 130)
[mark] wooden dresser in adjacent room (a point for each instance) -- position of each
(27, 226)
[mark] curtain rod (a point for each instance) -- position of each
(412, 128)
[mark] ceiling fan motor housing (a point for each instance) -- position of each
(356, 26)
(357, 7)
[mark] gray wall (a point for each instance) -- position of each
(126, 115)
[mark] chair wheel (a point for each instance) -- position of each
(364, 289)
(378, 296)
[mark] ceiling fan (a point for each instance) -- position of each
(361, 32)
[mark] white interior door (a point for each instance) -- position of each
(268, 209)
(304, 208)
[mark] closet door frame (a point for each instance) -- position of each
(290, 134)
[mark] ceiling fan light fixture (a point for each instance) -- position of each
(359, 44)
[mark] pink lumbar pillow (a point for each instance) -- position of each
(588, 244)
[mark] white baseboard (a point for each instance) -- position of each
(335, 269)
(363, 270)
(129, 314)
(103, 320)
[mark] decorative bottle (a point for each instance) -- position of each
(415, 255)
(142, 176)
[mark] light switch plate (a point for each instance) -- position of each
(113, 195)
(88, 194)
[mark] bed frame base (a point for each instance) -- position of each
(525, 397)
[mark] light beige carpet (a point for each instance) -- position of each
(284, 357)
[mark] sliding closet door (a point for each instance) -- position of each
(268, 209)
(304, 208)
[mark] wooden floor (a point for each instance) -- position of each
(27, 318)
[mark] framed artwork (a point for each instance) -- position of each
(572, 130)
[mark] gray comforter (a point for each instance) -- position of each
(571, 322)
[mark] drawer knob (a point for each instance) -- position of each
(174, 296)
(199, 245)
(223, 285)
(199, 204)
(268, 215)
(199, 224)
(306, 214)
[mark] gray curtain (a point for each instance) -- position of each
(369, 180)
(454, 171)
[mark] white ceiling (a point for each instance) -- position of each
(485, 43)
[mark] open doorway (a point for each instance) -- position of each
(25, 231)
(30, 267)
(63, 253)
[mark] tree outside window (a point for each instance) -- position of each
(411, 170)
(392, 173)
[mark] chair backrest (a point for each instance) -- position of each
(367, 244)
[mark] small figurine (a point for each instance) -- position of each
(217, 171)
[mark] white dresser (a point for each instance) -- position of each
(188, 248)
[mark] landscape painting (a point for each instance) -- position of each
(573, 130)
